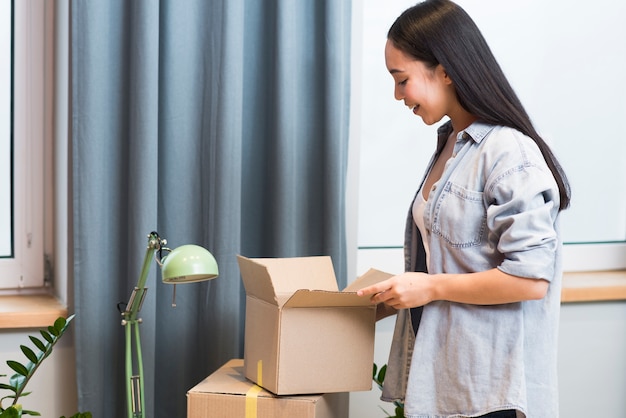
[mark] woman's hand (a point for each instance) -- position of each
(407, 290)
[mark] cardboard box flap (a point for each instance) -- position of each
(284, 276)
(256, 280)
(372, 276)
(230, 380)
(305, 298)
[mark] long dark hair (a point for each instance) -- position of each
(441, 32)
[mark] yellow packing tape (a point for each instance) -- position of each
(251, 398)
(253, 394)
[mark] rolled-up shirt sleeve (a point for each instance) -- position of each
(522, 214)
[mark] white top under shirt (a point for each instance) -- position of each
(418, 217)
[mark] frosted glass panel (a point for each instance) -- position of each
(6, 249)
(566, 63)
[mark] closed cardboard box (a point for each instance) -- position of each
(302, 334)
(228, 394)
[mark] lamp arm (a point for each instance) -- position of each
(136, 298)
(135, 395)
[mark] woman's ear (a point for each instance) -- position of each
(442, 74)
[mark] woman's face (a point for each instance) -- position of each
(428, 92)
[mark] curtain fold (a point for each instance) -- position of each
(222, 123)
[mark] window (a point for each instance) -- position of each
(22, 143)
(6, 233)
(574, 105)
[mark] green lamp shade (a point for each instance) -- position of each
(188, 263)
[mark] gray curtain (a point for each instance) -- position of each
(222, 123)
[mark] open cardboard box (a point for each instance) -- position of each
(302, 334)
(227, 394)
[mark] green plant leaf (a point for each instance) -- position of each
(46, 335)
(32, 413)
(38, 343)
(17, 381)
(29, 354)
(382, 373)
(399, 412)
(7, 387)
(52, 330)
(19, 368)
(59, 324)
(11, 412)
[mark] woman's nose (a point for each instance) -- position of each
(397, 93)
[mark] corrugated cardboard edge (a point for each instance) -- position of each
(262, 331)
(256, 280)
(229, 380)
(370, 277)
(263, 279)
(284, 276)
(305, 298)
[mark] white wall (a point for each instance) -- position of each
(592, 360)
(564, 62)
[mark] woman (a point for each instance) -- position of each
(478, 304)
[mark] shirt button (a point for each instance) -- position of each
(434, 187)
(466, 135)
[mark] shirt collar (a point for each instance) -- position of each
(477, 131)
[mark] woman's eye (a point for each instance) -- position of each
(403, 82)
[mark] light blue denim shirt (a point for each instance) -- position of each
(496, 205)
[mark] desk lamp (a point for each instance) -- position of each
(185, 264)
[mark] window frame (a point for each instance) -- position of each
(31, 144)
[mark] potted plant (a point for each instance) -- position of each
(24, 372)
(379, 377)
